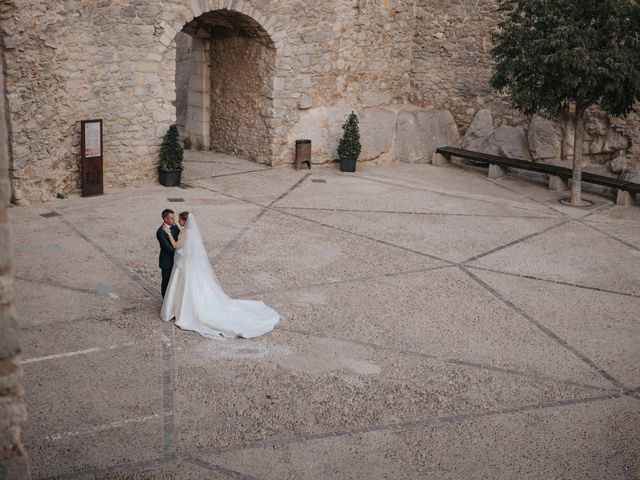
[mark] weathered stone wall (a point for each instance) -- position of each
(412, 69)
(183, 71)
(452, 59)
(241, 80)
(13, 460)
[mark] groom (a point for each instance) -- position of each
(166, 249)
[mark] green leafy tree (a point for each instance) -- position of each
(349, 145)
(171, 152)
(557, 56)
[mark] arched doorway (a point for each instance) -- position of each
(224, 79)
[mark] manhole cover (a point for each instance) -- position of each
(318, 180)
(176, 199)
(50, 214)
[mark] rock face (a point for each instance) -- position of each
(512, 142)
(545, 138)
(387, 134)
(478, 135)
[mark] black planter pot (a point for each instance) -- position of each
(348, 164)
(170, 178)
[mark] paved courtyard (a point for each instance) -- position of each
(435, 324)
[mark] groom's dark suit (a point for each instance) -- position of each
(166, 254)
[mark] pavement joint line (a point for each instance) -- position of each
(264, 208)
(534, 200)
(613, 237)
(556, 282)
(420, 423)
(409, 424)
(366, 237)
(279, 210)
(168, 425)
(218, 469)
(346, 280)
(226, 175)
(75, 353)
(131, 274)
(100, 428)
(548, 205)
(545, 330)
(167, 349)
(400, 212)
(453, 361)
(52, 283)
(516, 241)
(145, 464)
(502, 203)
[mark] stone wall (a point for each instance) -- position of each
(452, 62)
(241, 84)
(405, 66)
(13, 460)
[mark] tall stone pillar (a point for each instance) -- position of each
(197, 128)
(13, 459)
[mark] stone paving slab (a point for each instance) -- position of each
(600, 436)
(572, 253)
(517, 362)
(291, 385)
(363, 193)
(303, 252)
(442, 313)
(447, 237)
(94, 409)
(602, 326)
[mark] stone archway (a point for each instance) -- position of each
(225, 63)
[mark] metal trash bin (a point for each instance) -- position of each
(303, 153)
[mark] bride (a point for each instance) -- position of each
(196, 300)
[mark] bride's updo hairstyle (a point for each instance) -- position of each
(183, 216)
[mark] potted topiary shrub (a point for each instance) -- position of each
(349, 146)
(171, 155)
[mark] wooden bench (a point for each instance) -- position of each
(558, 176)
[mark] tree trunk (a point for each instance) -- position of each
(576, 179)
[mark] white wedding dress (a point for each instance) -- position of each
(196, 300)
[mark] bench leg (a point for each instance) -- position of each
(496, 171)
(439, 160)
(557, 184)
(623, 198)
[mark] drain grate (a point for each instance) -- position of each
(50, 214)
(318, 180)
(176, 199)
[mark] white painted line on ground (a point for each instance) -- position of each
(73, 354)
(101, 428)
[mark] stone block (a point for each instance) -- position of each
(623, 198)
(376, 132)
(5, 242)
(10, 377)
(481, 128)
(557, 184)
(12, 415)
(511, 142)
(10, 338)
(545, 138)
(14, 468)
(420, 132)
(439, 160)
(496, 171)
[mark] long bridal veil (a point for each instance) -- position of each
(193, 254)
(197, 301)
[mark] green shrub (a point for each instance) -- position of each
(171, 153)
(349, 145)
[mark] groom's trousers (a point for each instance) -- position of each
(166, 275)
